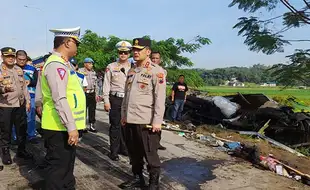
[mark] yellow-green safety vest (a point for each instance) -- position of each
(75, 96)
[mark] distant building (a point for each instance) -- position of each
(270, 84)
(234, 82)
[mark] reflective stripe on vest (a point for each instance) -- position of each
(75, 97)
(81, 76)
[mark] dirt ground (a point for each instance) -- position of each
(186, 164)
(300, 163)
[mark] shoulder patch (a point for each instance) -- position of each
(61, 73)
(160, 75)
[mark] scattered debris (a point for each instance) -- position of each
(272, 141)
(249, 114)
(254, 151)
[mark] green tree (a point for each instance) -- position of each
(102, 49)
(256, 74)
(261, 35)
(192, 77)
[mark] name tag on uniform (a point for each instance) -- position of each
(144, 75)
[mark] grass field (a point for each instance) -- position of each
(271, 91)
(277, 93)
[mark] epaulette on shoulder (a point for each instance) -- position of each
(17, 68)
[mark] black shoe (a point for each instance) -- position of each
(92, 128)
(161, 147)
(24, 154)
(114, 157)
(6, 156)
(137, 182)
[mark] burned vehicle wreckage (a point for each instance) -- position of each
(247, 112)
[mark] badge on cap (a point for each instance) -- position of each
(61, 73)
(136, 42)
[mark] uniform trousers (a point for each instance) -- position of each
(91, 106)
(59, 159)
(116, 131)
(142, 142)
(10, 116)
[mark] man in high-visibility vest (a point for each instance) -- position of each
(63, 110)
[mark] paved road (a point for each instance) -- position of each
(186, 165)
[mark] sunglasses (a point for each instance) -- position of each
(74, 41)
(123, 52)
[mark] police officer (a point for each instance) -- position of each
(155, 57)
(113, 94)
(142, 112)
(14, 101)
(31, 76)
(63, 110)
(90, 92)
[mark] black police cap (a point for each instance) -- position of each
(141, 43)
(8, 51)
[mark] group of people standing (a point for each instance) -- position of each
(133, 93)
